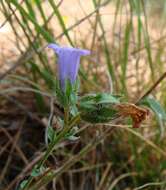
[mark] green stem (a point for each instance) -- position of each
(94, 142)
(67, 126)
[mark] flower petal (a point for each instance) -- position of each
(68, 62)
(55, 47)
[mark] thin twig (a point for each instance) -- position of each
(9, 159)
(9, 17)
(24, 172)
(152, 87)
(31, 115)
(18, 149)
(150, 185)
(93, 143)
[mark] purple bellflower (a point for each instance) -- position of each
(68, 62)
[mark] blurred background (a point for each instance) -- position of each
(128, 43)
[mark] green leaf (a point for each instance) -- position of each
(71, 135)
(90, 101)
(155, 106)
(106, 98)
(97, 108)
(100, 98)
(68, 88)
(68, 96)
(37, 171)
(73, 138)
(51, 134)
(23, 184)
(99, 115)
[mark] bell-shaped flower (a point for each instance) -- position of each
(68, 62)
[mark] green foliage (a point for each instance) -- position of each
(155, 106)
(51, 134)
(72, 134)
(37, 171)
(98, 108)
(126, 49)
(68, 96)
(23, 184)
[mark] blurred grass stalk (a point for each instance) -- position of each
(24, 14)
